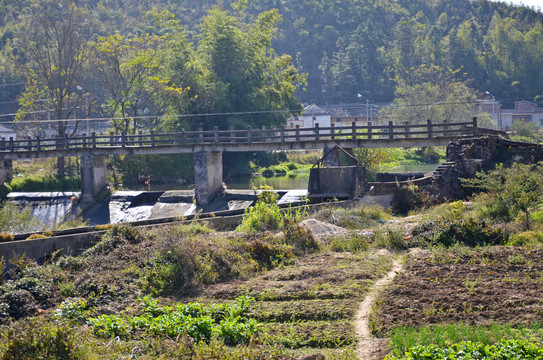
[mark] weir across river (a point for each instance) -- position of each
(208, 146)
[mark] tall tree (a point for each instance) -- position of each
(249, 75)
(441, 100)
(130, 71)
(55, 47)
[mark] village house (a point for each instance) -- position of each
(6, 133)
(338, 115)
(524, 111)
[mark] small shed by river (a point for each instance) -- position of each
(337, 175)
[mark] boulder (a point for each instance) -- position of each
(321, 230)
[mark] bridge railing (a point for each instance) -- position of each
(249, 135)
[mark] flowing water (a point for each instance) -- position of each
(142, 202)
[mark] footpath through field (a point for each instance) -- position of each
(370, 348)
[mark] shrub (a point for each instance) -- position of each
(15, 219)
(264, 215)
(181, 264)
(390, 239)
(300, 239)
(5, 189)
(279, 170)
(115, 236)
(406, 198)
(448, 232)
(512, 193)
(291, 166)
(526, 238)
(431, 155)
(268, 253)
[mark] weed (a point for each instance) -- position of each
(16, 219)
(38, 339)
(71, 309)
(194, 228)
(516, 259)
(36, 236)
(103, 227)
(472, 285)
(6, 237)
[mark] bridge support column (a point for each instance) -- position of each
(93, 176)
(207, 175)
(6, 171)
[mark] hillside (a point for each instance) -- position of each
(345, 47)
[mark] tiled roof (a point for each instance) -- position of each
(5, 129)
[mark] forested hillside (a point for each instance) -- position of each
(176, 57)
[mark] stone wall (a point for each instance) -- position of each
(468, 156)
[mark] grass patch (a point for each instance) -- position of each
(353, 218)
(45, 183)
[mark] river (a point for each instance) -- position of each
(135, 203)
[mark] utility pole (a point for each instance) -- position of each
(367, 107)
(498, 122)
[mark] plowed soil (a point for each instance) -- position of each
(470, 286)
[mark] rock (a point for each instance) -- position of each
(316, 356)
(321, 230)
(383, 252)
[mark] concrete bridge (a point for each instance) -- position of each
(208, 146)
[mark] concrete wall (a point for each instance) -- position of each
(343, 181)
(39, 249)
(207, 175)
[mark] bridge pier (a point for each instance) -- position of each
(207, 175)
(93, 176)
(6, 171)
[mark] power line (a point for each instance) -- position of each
(352, 106)
(14, 84)
(142, 117)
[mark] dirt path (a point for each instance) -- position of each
(370, 348)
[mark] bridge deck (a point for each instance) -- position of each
(354, 136)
